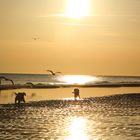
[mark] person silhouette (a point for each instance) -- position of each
(20, 97)
(76, 93)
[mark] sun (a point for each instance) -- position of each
(77, 8)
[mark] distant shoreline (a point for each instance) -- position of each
(129, 76)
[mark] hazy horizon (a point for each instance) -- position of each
(92, 37)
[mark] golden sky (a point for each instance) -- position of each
(97, 37)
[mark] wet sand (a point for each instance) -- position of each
(8, 96)
(110, 117)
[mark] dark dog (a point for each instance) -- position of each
(76, 93)
(20, 97)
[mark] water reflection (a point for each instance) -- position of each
(108, 118)
(78, 79)
(77, 129)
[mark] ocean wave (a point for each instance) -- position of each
(52, 85)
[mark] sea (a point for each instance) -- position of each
(109, 107)
(69, 80)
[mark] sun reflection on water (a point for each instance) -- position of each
(78, 79)
(77, 129)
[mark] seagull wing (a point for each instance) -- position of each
(51, 72)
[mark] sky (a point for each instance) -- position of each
(94, 37)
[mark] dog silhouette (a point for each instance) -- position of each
(20, 97)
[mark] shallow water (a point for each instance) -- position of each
(112, 117)
(8, 96)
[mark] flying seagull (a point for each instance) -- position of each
(35, 38)
(53, 73)
(6, 79)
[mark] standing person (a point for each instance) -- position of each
(76, 93)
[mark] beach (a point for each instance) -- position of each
(108, 108)
(53, 114)
(70, 70)
(8, 96)
(106, 117)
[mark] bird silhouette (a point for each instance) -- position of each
(6, 79)
(35, 38)
(53, 73)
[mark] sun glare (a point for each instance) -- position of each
(77, 8)
(78, 129)
(78, 79)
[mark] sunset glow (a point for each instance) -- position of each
(69, 69)
(81, 37)
(77, 8)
